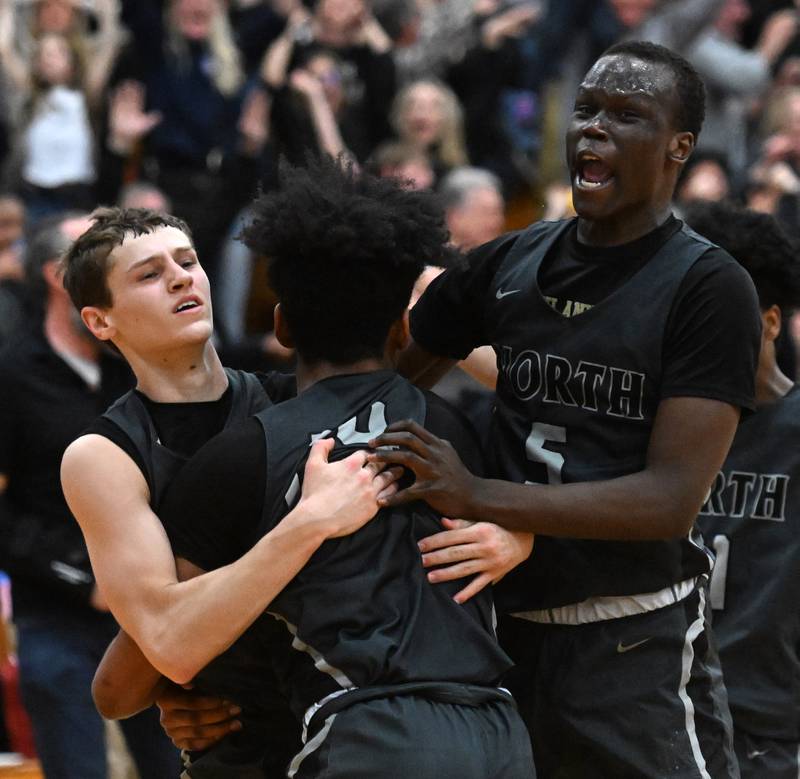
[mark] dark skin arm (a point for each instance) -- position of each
(126, 683)
(688, 444)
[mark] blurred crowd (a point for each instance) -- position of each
(188, 105)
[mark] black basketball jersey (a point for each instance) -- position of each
(752, 522)
(576, 401)
(362, 612)
(161, 463)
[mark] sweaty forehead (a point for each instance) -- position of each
(624, 75)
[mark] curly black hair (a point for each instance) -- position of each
(758, 243)
(689, 87)
(343, 250)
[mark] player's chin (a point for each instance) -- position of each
(196, 332)
(592, 199)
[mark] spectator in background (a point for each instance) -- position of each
(427, 117)
(734, 78)
(53, 383)
(12, 223)
(55, 138)
(437, 34)
(396, 160)
(339, 53)
(499, 124)
(783, 25)
(704, 177)
(184, 111)
(142, 194)
(774, 179)
(12, 309)
(473, 204)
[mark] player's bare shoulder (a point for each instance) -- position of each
(96, 473)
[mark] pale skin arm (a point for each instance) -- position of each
(481, 364)
(275, 65)
(142, 590)
(688, 444)
(482, 550)
(14, 65)
(327, 131)
(108, 41)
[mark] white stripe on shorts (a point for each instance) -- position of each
(686, 671)
(312, 745)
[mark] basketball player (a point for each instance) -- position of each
(751, 518)
(137, 282)
(390, 676)
(626, 346)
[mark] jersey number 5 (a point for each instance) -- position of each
(535, 450)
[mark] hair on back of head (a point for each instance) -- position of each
(46, 242)
(689, 87)
(344, 250)
(758, 243)
(86, 264)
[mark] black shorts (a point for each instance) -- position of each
(765, 758)
(261, 750)
(638, 696)
(413, 737)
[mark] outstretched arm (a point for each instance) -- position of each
(688, 444)
(134, 566)
(329, 138)
(108, 41)
(275, 64)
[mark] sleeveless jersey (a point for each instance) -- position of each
(161, 463)
(362, 612)
(752, 521)
(576, 402)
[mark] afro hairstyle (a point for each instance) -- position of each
(758, 243)
(343, 250)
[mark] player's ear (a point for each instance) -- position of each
(771, 323)
(98, 322)
(680, 147)
(398, 338)
(281, 327)
(51, 273)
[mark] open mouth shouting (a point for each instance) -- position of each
(591, 172)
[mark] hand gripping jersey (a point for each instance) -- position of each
(752, 521)
(576, 401)
(362, 613)
(160, 462)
